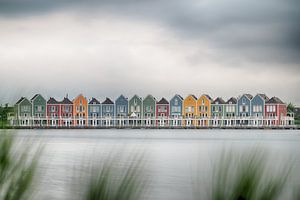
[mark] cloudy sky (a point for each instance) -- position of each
(162, 47)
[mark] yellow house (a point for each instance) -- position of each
(204, 109)
(189, 109)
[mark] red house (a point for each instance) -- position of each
(53, 112)
(66, 108)
(162, 112)
(275, 110)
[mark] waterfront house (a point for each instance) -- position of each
(121, 109)
(257, 109)
(23, 112)
(162, 112)
(149, 106)
(39, 110)
(94, 112)
(189, 110)
(244, 109)
(80, 110)
(230, 111)
(275, 112)
(176, 110)
(204, 109)
(135, 110)
(108, 111)
(217, 111)
(53, 112)
(66, 107)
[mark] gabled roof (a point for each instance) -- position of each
(107, 101)
(233, 100)
(66, 101)
(94, 101)
(20, 100)
(249, 96)
(52, 101)
(264, 96)
(218, 100)
(163, 101)
(275, 100)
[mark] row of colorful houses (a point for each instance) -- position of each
(246, 110)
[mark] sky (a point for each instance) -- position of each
(104, 48)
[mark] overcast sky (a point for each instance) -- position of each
(107, 47)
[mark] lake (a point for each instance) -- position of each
(174, 159)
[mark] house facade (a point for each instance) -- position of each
(80, 111)
(189, 110)
(275, 111)
(257, 109)
(121, 107)
(176, 104)
(217, 111)
(135, 110)
(149, 110)
(244, 109)
(23, 112)
(39, 112)
(66, 107)
(53, 112)
(162, 112)
(204, 109)
(94, 112)
(108, 112)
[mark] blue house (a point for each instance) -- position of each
(176, 110)
(257, 108)
(121, 110)
(244, 108)
(94, 112)
(108, 111)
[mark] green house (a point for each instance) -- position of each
(149, 106)
(23, 112)
(39, 110)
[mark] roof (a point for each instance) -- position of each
(233, 100)
(94, 101)
(264, 96)
(66, 101)
(218, 100)
(163, 101)
(20, 100)
(275, 100)
(107, 101)
(52, 101)
(249, 96)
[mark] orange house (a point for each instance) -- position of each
(80, 110)
(204, 109)
(189, 109)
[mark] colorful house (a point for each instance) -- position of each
(162, 112)
(230, 111)
(149, 106)
(66, 107)
(176, 110)
(217, 111)
(135, 110)
(39, 110)
(23, 112)
(53, 112)
(244, 109)
(94, 112)
(108, 112)
(121, 106)
(257, 109)
(189, 110)
(275, 111)
(80, 110)
(204, 109)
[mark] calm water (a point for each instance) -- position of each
(174, 158)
